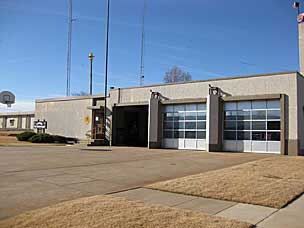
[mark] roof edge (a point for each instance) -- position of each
(72, 98)
(214, 79)
(17, 113)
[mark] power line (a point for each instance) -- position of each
(141, 75)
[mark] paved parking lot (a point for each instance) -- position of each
(34, 177)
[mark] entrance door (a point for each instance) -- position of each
(97, 131)
(130, 126)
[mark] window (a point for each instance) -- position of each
(230, 135)
(184, 121)
(190, 135)
(12, 123)
(258, 125)
(273, 125)
(168, 134)
(243, 115)
(259, 135)
(243, 125)
(179, 134)
(230, 125)
(243, 135)
(259, 115)
(230, 115)
(252, 120)
(273, 114)
(273, 136)
(201, 134)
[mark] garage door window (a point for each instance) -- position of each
(185, 121)
(252, 120)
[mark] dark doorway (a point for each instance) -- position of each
(130, 126)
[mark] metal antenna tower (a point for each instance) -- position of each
(69, 48)
(142, 75)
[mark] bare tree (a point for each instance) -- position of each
(81, 93)
(176, 74)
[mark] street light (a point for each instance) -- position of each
(91, 57)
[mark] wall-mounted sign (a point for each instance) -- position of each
(87, 120)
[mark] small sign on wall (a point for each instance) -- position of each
(87, 120)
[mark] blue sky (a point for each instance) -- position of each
(209, 39)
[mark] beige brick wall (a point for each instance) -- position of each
(66, 117)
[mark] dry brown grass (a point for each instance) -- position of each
(106, 211)
(8, 139)
(272, 182)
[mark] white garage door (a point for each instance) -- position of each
(252, 126)
(184, 126)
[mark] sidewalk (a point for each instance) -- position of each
(262, 217)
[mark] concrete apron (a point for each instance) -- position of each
(262, 217)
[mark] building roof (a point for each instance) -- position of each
(69, 98)
(17, 113)
(214, 79)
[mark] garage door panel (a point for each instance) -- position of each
(190, 144)
(259, 146)
(244, 145)
(170, 143)
(274, 147)
(181, 144)
(230, 145)
(201, 144)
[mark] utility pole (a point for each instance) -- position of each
(91, 57)
(69, 46)
(106, 68)
(142, 75)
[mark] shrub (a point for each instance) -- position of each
(42, 138)
(72, 140)
(59, 139)
(25, 136)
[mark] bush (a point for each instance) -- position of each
(42, 138)
(60, 139)
(25, 136)
(71, 140)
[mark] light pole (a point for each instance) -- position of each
(91, 57)
(106, 69)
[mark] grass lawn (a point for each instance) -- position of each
(106, 211)
(271, 182)
(8, 139)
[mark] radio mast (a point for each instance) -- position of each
(142, 75)
(69, 46)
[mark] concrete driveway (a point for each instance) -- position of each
(34, 177)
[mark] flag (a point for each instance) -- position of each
(301, 18)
